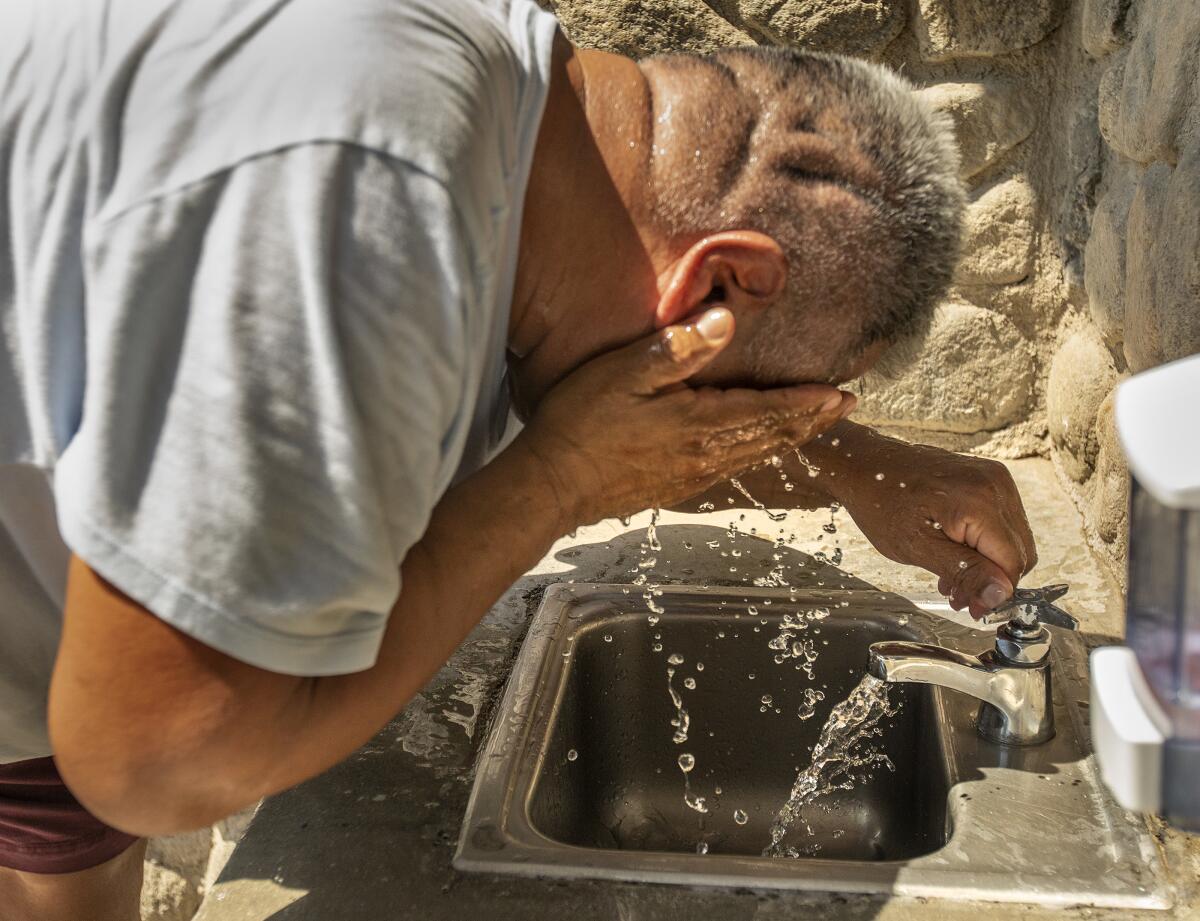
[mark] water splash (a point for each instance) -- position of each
(682, 722)
(774, 516)
(645, 568)
(813, 469)
(686, 764)
(808, 708)
(843, 748)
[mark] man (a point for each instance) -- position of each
(270, 271)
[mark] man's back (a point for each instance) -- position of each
(254, 286)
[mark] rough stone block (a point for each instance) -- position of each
(859, 27)
(1141, 233)
(168, 895)
(989, 119)
(643, 27)
(1162, 297)
(1104, 26)
(999, 237)
(948, 29)
(1104, 261)
(971, 372)
(1084, 156)
(1157, 83)
(1081, 375)
(1109, 97)
(1109, 505)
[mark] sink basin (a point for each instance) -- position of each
(624, 789)
(580, 775)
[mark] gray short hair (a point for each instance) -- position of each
(839, 162)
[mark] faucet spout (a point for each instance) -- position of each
(1016, 704)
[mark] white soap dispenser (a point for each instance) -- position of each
(1146, 695)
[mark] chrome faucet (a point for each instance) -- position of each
(1012, 679)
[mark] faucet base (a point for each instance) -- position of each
(996, 727)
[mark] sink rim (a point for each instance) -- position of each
(498, 836)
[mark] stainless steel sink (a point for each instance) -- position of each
(579, 777)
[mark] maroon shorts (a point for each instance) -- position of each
(43, 829)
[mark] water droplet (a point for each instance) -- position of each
(572, 755)
(702, 847)
(706, 507)
(658, 647)
(686, 763)
(608, 637)
(751, 676)
(740, 817)
(962, 564)
(766, 699)
(700, 665)
(879, 476)
(689, 683)
(674, 659)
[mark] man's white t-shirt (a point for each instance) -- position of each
(256, 263)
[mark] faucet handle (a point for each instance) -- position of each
(1030, 606)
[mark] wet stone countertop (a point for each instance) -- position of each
(373, 838)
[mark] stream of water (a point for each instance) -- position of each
(839, 759)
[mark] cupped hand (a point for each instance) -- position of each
(625, 432)
(960, 517)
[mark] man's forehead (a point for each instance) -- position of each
(744, 113)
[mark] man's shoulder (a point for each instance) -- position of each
(429, 82)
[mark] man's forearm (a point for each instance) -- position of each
(827, 471)
(483, 535)
(199, 735)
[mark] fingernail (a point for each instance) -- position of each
(714, 325)
(994, 595)
(831, 403)
(849, 402)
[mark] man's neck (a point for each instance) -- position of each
(585, 281)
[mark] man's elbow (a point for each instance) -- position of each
(143, 791)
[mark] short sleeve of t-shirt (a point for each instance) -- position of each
(274, 359)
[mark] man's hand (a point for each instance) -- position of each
(624, 432)
(959, 517)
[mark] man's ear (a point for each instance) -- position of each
(740, 269)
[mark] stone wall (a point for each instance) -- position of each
(1079, 130)
(180, 870)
